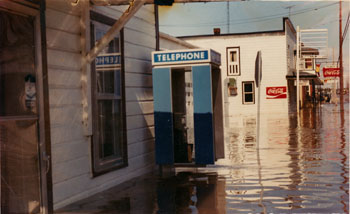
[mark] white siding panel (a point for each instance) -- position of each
(139, 121)
(69, 151)
(62, 21)
(137, 108)
(138, 94)
(138, 52)
(66, 115)
(62, 40)
(65, 78)
(142, 39)
(137, 135)
(61, 58)
(138, 80)
(66, 133)
(70, 169)
(65, 97)
(140, 148)
(137, 66)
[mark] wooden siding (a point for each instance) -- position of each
(274, 64)
(71, 155)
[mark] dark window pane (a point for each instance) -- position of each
(117, 83)
(100, 31)
(105, 82)
(110, 128)
(248, 87)
(17, 74)
(248, 98)
(233, 56)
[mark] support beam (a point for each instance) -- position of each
(85, 67)
(124, 2)
(135, 5)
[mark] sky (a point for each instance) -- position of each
(252, 15)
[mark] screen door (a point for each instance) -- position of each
(20, 174)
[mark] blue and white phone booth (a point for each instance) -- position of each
(188, 112)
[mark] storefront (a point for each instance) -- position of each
(73, 121)
(24, 123)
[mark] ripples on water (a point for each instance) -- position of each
(299, 166)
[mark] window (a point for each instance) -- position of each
(109, 140)
(248, 92)
(308, 64)
(233, 61)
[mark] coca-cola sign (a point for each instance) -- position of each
(331, 72)
(279, 92)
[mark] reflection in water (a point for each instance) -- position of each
(297, 167)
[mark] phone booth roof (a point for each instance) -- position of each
(185, 57)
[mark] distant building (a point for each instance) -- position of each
(239, 52)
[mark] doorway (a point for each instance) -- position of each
(19, 116)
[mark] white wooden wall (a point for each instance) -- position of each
(168, 42)
(274, 69)
(71, 158)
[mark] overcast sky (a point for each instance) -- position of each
(251, 16)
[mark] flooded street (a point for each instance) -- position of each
(297, 167)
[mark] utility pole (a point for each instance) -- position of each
(341, 88)
(297, 68)
(228, 16)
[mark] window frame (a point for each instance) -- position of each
(243, 92)
(104, 165)
(229, 63)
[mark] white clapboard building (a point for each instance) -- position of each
(239, 54)
(70, 128)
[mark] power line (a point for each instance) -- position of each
(346, 28)
(250, 20)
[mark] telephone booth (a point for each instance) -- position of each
(188, 111)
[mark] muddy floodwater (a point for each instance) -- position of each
(297, 166)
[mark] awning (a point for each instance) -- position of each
(305, 76)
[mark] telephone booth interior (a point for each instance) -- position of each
(188, 110)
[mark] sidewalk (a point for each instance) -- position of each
(184, 193)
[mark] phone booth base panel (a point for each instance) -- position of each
(203, 114)
(163, 117)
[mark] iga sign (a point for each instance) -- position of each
(331, 72)
(279, 92)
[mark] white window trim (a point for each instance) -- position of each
(243, 92)
(233, 68)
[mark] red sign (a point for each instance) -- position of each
(276, 92)
(331, 72)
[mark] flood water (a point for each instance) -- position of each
(298, 166)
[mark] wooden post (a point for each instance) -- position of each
(298, 67)
(114, 30)
(85, 66)
(341, 88)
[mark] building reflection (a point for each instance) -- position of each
(189, 192)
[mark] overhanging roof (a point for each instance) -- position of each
(126, 2)
(306, 76)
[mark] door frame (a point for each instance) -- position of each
(37, 11)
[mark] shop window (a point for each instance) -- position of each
(308, 64)
(109, 135)
(248, 92)
(233, 61)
